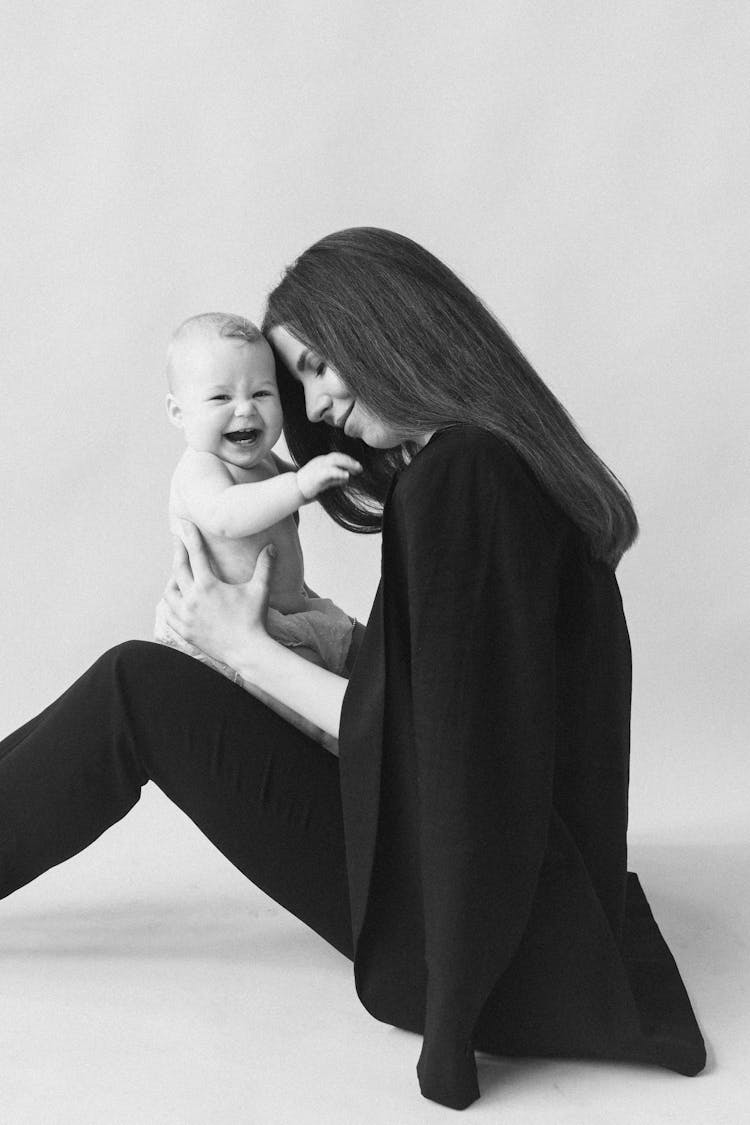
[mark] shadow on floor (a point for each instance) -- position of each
(697, 893)
(223, 928)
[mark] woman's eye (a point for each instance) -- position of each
(320, 369)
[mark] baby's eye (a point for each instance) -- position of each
(219, 398)
(261, 394)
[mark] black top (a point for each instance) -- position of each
(484, 767)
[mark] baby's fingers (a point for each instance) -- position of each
(344, 461)
(336, 476)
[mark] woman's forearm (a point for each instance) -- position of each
(312, 692)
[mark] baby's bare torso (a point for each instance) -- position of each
(234, 560)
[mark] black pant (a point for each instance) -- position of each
(264, 794)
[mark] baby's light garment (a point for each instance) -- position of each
(323, 627)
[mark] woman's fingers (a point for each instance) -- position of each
(260, 583)
(176, 624)
(197, 554)
(172, 594)
(264, 569)
(174, 607)
(182, 575)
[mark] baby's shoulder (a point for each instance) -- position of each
(197, 465)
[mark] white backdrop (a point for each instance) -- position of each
(584, 167)
(580, 165)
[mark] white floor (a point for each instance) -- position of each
(146, 982)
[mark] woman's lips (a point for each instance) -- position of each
(345, 420)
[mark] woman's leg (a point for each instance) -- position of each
(263, 793)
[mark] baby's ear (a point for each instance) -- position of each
(174, 411)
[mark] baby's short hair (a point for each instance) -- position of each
(225, 325)
(219, 324)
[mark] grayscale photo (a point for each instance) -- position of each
(374, 710)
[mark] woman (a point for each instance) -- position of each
(468, 849)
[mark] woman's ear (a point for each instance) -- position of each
(174, 411)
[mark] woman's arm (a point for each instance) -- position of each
(311, 691)
(477, 585)
(228, 622)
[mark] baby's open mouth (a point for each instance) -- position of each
(243, 437)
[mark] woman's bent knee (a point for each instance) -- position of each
(135, 673)
(135, 655)
(153, 679)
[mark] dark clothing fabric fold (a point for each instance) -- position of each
(484, 770)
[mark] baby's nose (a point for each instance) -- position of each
(244, 408)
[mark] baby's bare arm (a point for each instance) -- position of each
(222, 507)
(218, 505)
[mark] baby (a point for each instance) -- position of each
(223, 395)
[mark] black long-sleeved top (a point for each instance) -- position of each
(484, 766)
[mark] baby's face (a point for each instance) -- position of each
(225, 398)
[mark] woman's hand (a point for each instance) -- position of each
(229, 623)
(226, 621)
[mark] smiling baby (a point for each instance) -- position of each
(223, 396)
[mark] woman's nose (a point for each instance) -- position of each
(317, 404)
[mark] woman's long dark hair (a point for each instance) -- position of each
(421, 352)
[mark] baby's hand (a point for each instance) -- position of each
(325, 472)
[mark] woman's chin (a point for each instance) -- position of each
(378, 438)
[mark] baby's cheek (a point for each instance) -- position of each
(275, 421)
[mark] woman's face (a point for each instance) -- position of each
(328, 399)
